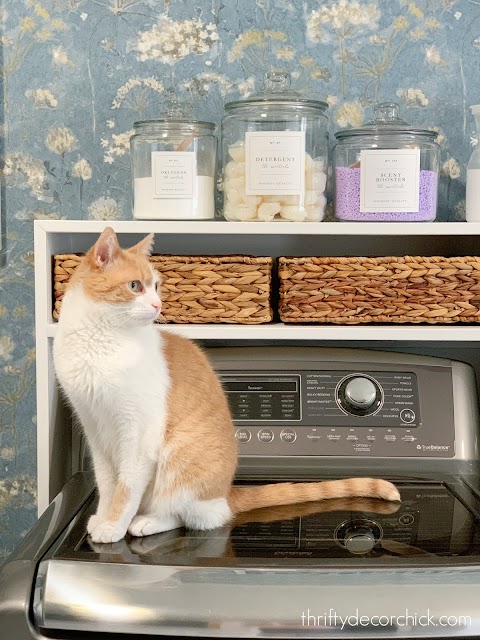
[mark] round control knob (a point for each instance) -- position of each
(360, 393)
(358, 536)
(359, 540)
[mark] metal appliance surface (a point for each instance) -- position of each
(309, 570)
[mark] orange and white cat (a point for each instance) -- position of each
(154, 413)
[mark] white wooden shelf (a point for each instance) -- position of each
(219, 227)
(300, 332)
(255, 238)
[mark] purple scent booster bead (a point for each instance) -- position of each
(347, 199)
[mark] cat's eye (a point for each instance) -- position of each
(158, 286)
(135, 286)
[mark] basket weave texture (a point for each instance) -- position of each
(407, 289)
(199, 289)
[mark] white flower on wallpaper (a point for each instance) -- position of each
(104, 208)
(259, 38)
(42, 98)
(344, 17)
(413, 97)
(433, 57)
(200, 84)
(25, 215)
(246, 87)
(82, 170)
(61, 140)
(350, 114)
(451, 169)
(118, 146)
(378, 40)
(7, 453)
(60, 57)
(19, 491)
(441, 138)
(171, 40)
(22, 170)
(136, 93)
(6, 347)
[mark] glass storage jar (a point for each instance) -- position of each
(386, 170)
(173, 167)
(274, 155)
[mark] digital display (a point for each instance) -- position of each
(262, 398)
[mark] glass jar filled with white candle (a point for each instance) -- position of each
(173, 167)
(274, 155)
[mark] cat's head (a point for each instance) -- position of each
(122, 281)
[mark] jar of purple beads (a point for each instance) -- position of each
(386, 170)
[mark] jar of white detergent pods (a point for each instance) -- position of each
(274, 155)
(386, 170)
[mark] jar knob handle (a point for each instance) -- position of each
(277, 80)
(386, 111)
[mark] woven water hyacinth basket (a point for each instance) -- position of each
(434, 290)
(199, 289)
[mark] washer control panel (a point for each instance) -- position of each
(368, 412)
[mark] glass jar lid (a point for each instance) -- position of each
(386, 121)
(177, 117)
(277, 91)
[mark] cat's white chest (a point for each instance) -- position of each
(116, 377)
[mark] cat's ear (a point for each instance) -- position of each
(106, 249)
(145, 246)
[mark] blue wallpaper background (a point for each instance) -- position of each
(76, 74)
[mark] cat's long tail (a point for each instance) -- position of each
(272, 495)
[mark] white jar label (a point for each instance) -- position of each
(275, 163)
(389, 180)
(174, 174)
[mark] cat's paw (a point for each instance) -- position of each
(108, 532)
(149, 525)
(93, 523)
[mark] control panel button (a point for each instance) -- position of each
(243, 435)
(360, 393)
(288, 435)
(265, 435)
(359, 541)
(358, 536)
(406, 518)
(407, 415)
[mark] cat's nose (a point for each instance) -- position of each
(155, 306)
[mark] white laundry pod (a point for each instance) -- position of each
(240, 213)
(237, 152)
(293, 213)
(234, 169)
(268, 210)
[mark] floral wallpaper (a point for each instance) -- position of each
(76, 74)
